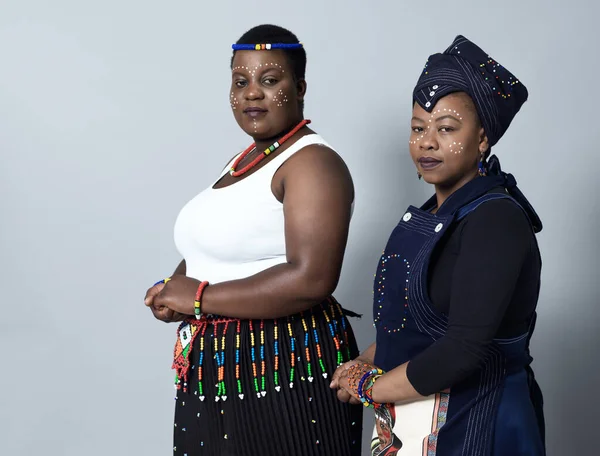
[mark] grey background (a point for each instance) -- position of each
(113, 114)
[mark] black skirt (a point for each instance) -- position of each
(261, 387)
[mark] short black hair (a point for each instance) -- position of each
(266, 33)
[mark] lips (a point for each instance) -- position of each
(254, 111)
(428, 163)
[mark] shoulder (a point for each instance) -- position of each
(318, 158)
(317, 166)
(499, 213)
(499, 225)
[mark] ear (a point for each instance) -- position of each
(301, 89)
(484, 143)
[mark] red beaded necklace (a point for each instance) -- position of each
(265, 153)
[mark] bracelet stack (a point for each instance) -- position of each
(365, 387)
(361, 379)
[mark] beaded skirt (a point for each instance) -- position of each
(261, 387)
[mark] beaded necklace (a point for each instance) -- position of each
(235, 173)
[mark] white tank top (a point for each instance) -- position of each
(236, 231)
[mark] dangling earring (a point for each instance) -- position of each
(419, 175)
(481, 167)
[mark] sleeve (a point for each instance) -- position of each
(494, 244)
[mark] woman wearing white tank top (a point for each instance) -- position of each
(260, 334)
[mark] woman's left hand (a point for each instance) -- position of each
(339, 381)
(167, 315)
(178, 295)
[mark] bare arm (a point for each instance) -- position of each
(317, 196)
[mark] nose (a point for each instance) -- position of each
(254, 91)
(428, 140)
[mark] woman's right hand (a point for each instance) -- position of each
(161, 313)
(152, 292)
(167, 315)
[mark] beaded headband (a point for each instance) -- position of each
(265, 47)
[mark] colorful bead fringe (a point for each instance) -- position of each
(190, 329)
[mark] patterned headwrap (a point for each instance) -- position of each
(496, 92)
(464, 67)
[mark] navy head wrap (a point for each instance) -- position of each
(496, 93)
(464, 67)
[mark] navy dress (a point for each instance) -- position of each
(496, 409)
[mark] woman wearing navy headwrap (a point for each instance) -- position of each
(457, 285)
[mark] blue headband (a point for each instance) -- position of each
(265, 47)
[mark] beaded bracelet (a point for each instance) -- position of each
(366, 393)
(198, 301)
